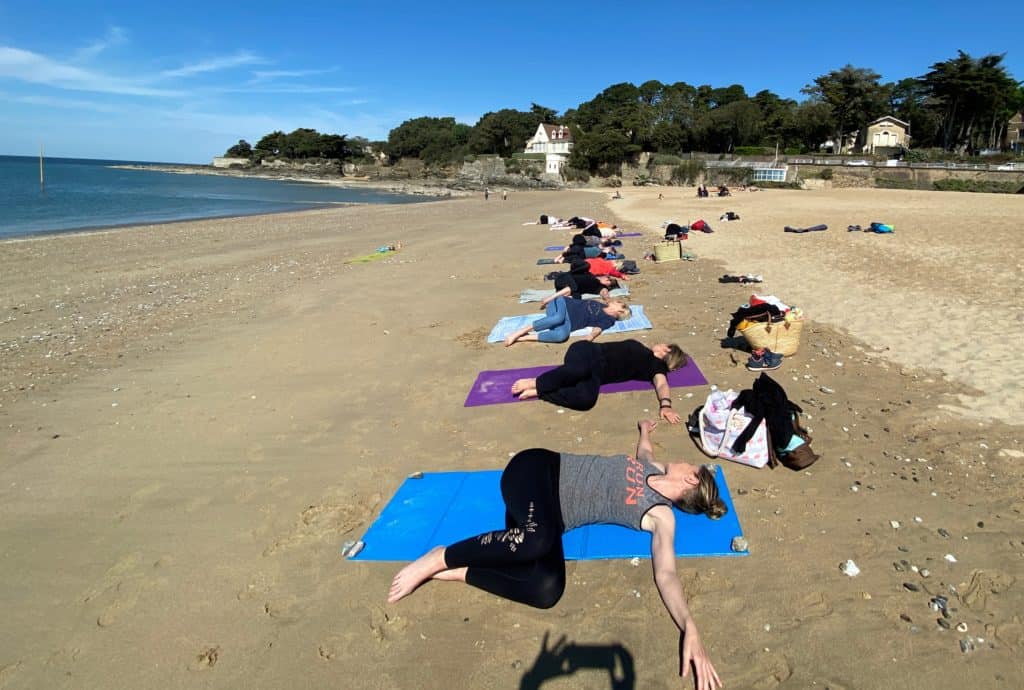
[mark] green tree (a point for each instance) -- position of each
(302, 143)
(504, 132)
(776, 119)
(812, 124)
(610, 128)
(431, 139)
(542, 115)
(855, 96)
(271, 144)
(240, 150)
(602, 148)
(975, 98)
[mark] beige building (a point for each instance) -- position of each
(555, 142)
(1015, 133)
(887, 135)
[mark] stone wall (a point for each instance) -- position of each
(911, 177)
(229, 162)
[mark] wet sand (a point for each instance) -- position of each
(195, 416)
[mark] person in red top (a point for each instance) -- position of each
(604, 267)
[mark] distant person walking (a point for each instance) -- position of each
(487, 193)
(504, 195)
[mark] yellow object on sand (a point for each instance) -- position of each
(371, 257)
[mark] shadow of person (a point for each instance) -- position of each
(566, 658)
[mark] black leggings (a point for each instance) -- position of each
(577, 383)
(524, 562)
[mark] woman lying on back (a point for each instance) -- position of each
(565, 315)
(548, 493)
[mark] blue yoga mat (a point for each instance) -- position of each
(510, 324)
(442, 508)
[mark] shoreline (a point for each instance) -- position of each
(196, 418)
(393, 186)
(46, 234)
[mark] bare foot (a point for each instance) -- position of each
(416, 573)
(522, 385)
(452, 575)
(510, 340)
(528, 393)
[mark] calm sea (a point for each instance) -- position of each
(82, 194)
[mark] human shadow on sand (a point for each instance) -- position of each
(566, 658)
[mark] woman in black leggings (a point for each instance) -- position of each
(588, 366)
(547, 493)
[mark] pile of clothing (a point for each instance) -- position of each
(876, 227)
(759, 309)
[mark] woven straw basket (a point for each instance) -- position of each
(779, 336)
(667, 251)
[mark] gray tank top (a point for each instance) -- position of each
(602, 489)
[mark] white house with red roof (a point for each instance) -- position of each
(555, 142)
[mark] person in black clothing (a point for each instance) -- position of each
(577, 383)
(579, 281)
(576, 285)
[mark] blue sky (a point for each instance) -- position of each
(180, 82)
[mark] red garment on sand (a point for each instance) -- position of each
(698, 225)
(604, 267)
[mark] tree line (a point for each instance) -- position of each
(960, 105)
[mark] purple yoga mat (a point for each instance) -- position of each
(495, 387)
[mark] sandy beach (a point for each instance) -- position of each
(195, 416)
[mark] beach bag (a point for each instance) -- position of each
(543, 220)
(718, 427)
(781, 336)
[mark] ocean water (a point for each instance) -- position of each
(81, 194)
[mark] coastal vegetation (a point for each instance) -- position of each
(958, 108)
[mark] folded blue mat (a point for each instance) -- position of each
(510, 324)
(441, 508)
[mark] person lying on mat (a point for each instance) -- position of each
(604, 267)
(547, 493)
(591, 241)
(563, 315)
(580, 248)
(579, 281)
(577, 383)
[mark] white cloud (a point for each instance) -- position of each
(115, 36)
(68, 103)
(269, 75)
(298, 88)
(33, 68)
(215, 64)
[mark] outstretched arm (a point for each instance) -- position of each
(644, 450)
(564, 292)
(594, 332)
(664, 392)
(661, 523)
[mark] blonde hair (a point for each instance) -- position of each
(703, 499)
(675, 357)
(626, 311)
